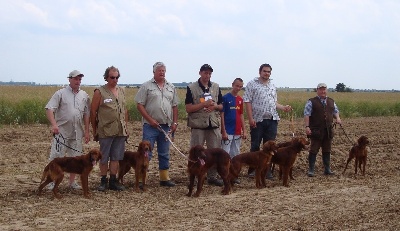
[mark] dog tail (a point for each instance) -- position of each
(45, 173)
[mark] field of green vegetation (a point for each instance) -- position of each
(25, 104)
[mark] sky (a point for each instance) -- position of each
(354, 42)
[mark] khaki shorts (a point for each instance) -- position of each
(60, 149)
(212, 137)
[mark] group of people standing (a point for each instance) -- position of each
(215, 120)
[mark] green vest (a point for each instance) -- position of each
(111, 113)
(200, 118)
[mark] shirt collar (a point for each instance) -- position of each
(203, 87)
(72, 90)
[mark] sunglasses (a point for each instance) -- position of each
(112, 77)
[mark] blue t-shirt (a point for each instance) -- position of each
(233, 109)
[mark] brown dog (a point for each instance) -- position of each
(139, 161)
(200, 160)
(280, 145)
(83, 165)
(286, 156)
(359, 151)
(259, 160)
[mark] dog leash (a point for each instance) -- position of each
(291, 125)
(59, 143)
(343, 132)
(169, 139)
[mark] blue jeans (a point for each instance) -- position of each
(265, 130)
(154, 135)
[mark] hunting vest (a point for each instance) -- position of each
(202, 119)
(111, 113)
(322, 115)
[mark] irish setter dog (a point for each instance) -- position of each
(200, 160)
(259, 160)
(286, 156)
(359, 151)
(139, 161)
(83, 165)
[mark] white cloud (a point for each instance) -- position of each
(303, 40)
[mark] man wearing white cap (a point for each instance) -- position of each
(68, 113)
(319, 113)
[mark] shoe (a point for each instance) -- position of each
(75, 186)
(167, 183)
(115, 185)
(103, 184)
(310, 173)
(215, 182)
(50, 186)
(269, 176)
(329, 173)
(252, 174)
(236, 181)
(141, 185)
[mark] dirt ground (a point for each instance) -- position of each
(340, 202)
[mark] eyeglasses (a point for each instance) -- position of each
(112, 77)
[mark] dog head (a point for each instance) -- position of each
(144, 147)
(300, 142)
(95, 156)
(197, 153)
(270, 147)
(363, 141)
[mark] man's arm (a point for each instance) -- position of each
(146, 115)
(249, 112)
(94, 107)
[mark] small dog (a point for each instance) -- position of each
(286, 156)
(259, 160)
(200, 160)
(83, 165)
(139, 161)
(359, 151)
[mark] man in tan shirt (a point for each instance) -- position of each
(68, 114)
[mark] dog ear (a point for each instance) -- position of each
(140, 147)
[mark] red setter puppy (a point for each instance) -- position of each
(200, 160)
(286, 156)
(139, 161)
(259, 160)
(359, 151)
(83, 165)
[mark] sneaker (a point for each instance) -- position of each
(50, 186)
(75, 186)
(215, 182)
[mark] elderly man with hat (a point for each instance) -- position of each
(319, 113)
(68, 113)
